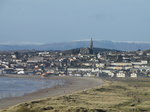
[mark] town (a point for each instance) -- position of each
(81, 62)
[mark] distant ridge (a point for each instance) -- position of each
(125, 46)
(95, 50)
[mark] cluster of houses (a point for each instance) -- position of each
(105, 67)
(83, 62)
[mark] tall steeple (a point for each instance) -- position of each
(91, 44)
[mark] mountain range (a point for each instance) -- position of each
(124, 46)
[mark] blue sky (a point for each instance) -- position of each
(48, 21)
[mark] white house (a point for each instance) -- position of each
(79, 69)
(133, 75)
(120, 75)
(21, 72)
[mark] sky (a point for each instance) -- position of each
(50, 21)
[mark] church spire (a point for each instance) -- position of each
(91, 44)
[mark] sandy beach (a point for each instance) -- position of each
(73, 84)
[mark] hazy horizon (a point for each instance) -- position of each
(84, 40)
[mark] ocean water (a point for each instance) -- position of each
(12, 87)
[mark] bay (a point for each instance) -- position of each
(13, 87)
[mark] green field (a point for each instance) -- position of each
(115, 96)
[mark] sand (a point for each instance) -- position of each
(73, 84)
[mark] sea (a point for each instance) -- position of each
(14, 87)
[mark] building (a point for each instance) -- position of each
(121, 74)
(87, 51)
(133, 75)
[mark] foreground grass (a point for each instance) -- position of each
(117, 96)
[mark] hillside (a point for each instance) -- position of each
(125, 46)
(95, 50)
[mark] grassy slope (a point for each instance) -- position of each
(121, 96)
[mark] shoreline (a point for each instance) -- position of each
(55, 82)
(72, 84)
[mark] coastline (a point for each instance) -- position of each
(72, 85)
